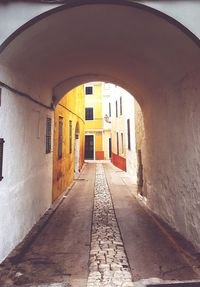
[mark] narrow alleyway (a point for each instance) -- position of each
(109, 242)
(108, 261)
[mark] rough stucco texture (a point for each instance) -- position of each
(139, 127)
(26, 188)
(172, 156)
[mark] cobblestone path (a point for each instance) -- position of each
(108, 262)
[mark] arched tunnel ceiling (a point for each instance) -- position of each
(120, 43)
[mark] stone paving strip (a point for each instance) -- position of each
(108, 266)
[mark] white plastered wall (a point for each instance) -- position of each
(119, 125)
(185, 11)
(131, 157)
(25, 190)
(25, 11)
(106, 99)
(172, 156)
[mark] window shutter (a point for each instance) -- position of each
(117, 143)
(0, 96)
(1, 158)
(109, 109)
(120, 105)
(89, 90)
(128, 133)
(89, 114)
(70, 136)
(60, 137)
(48, 135)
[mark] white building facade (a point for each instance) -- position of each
(123, 130)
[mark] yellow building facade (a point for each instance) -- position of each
(93, 121)
(68, 146)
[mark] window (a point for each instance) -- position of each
(60, 137)
(48, 135)
(116, 104)
(117, 143)
(1, 158)
(120, 102)
(0, 95)
(89, 90)
(89, 115)
(128, 134)
(70, 136)
(109, 109)
(122, 142)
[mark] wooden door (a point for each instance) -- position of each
(89, 147)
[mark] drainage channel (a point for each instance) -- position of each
(108, 264)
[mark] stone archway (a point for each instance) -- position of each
(141, 51)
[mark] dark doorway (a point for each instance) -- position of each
(110, 148)
(140, 169)
(89, 147)
(140, 172)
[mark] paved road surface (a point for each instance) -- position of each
(61, 251)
